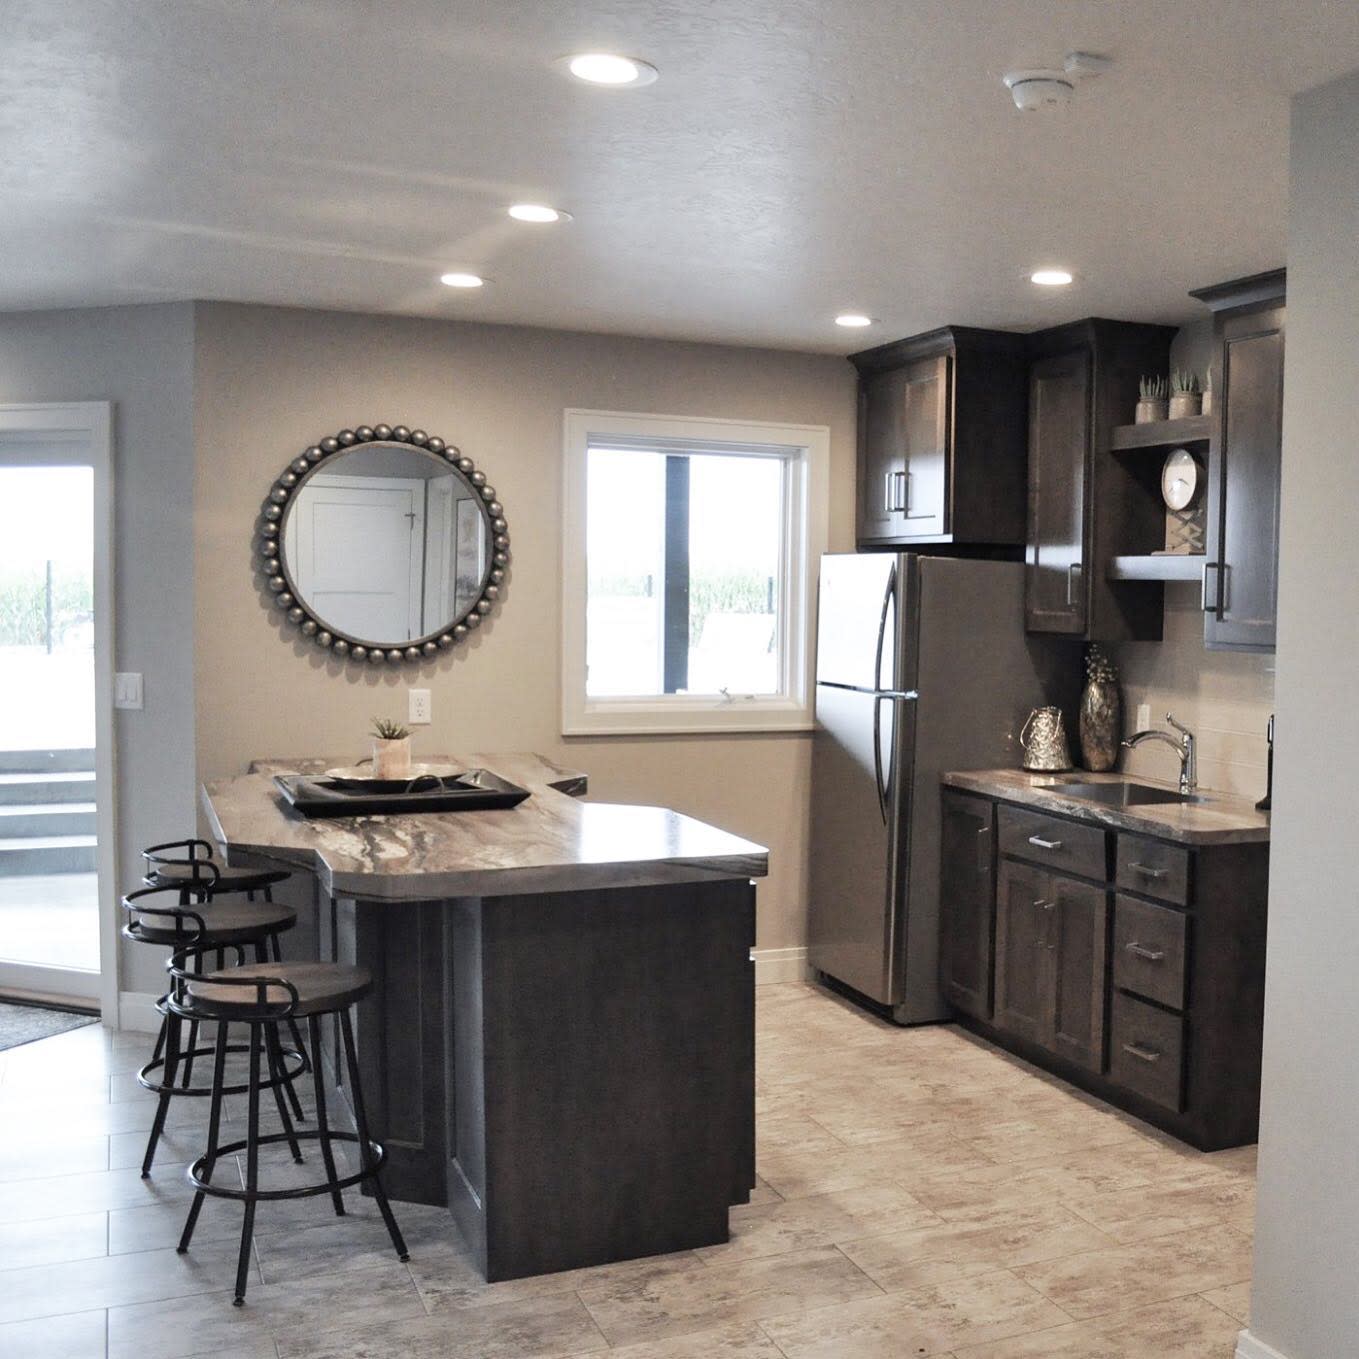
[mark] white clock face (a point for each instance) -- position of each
(1179, 479)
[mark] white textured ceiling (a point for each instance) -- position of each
(795, 159)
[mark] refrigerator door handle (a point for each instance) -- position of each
(887, 595)
(878, 781)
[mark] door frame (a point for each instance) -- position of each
(91, 422)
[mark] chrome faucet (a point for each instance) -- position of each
(1183, 744)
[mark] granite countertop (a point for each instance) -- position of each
(553, 842)
(1212, 819)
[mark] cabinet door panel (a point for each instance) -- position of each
(1024, 908)
(966, 896)
(882, 453)
(1080, 945)
(1059, 448)
(1243, 507)
(925, 420)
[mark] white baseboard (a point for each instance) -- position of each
(137, 1012)
(1248, 1347)
(779, 965)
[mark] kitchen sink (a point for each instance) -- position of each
(1122, 794)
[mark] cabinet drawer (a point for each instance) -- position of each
(1146, 1051)
(1153, 867)
(1149, 950)
(1064, 845)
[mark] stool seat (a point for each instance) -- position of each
(321, 988)
(228, 879)
(227, 922)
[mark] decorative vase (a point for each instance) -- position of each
(1101, 720)
(1206, 403)
(1185, 404)
(392, 759)
(1147, 411)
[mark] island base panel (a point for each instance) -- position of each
(572, 1074)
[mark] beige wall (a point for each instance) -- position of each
(1304, 1303)
(1224, 697)
(270, 381)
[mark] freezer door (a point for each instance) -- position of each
(850, 622)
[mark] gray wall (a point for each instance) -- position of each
(1305, 1304)
(141, 359)
(270, 381)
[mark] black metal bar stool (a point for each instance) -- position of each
(189, 865)
(158, 915)
(264, 995)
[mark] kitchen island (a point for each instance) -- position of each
(560, 1040)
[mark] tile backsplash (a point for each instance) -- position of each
(1224, 697)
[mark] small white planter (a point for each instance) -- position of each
(392, 759)
(1185, 404)
(1147, 411)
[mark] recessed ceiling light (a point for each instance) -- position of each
(1051, 278)
(605, 68)
(456, 280)
(538, 212)
(853, 319)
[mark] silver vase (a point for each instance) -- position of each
(1101, 723)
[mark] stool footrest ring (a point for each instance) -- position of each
(149, 1082)
(194, 1174)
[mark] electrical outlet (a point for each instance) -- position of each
(418, 710)
(127, 690)
(1143, 716)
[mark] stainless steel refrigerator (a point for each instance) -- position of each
(922, 665)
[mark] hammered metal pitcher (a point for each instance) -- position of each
(1043, 737)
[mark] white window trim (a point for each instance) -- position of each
(809, 470)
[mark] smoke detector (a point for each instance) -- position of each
(1039, 89)
(1050, 88)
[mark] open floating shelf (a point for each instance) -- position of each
(1163, 433)
(1162, 566)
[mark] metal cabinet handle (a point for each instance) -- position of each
(902, 498)
(1072, 571)
(1152, 955)
(1147, 871)
(1142, 1054)
(1215, 604)
(887, 492)
(1039, 843)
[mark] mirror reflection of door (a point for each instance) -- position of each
(382, 558)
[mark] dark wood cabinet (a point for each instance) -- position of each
(1082, 504)
(1051, 945)
(941, 440)
(967, 889)
(1130, 965)
(1240, 586)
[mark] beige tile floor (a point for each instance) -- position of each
(921, 1194)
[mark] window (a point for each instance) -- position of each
(688, 545)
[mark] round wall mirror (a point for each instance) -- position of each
(384, 544)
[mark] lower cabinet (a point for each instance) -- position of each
(1052, 940)
(1132, 966)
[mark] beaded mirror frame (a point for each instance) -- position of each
(282, 587)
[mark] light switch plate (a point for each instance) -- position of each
(1143, 716)
(418, 707)
(127, 690)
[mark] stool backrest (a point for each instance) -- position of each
(195, 855)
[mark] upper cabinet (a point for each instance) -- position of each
(1083, 381)
(1240, 571)
(941, 440)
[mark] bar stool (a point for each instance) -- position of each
(155, 916)
(189, 865)
(263, 995)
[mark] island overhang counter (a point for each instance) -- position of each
(559, 1044)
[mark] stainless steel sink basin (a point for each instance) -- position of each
(1122, 794)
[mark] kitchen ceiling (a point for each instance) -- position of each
(795, 160)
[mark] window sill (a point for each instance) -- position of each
(706, 719)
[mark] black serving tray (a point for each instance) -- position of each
(473, 791)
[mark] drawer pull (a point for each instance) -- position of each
(1152, 955)
(1142, 1054)
(1148, 872)
(1039, 843)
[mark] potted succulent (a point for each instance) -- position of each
(1185, 397)
(1152, 405)
(391, 749)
